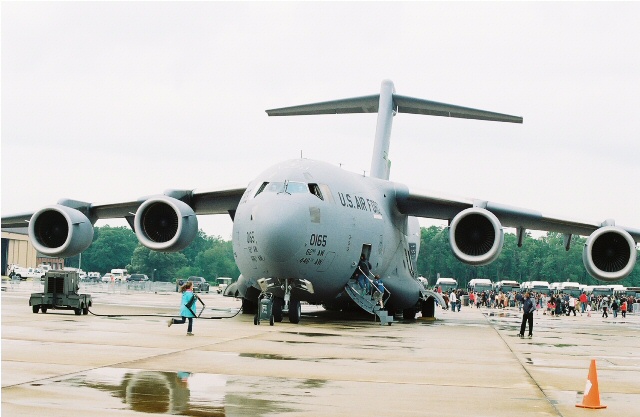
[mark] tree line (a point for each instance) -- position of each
(539, 259)
(117, 247)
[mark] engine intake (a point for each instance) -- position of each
(476, 236)
(60, 231)
(165, 224)
(609, 254)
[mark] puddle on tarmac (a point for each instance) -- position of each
(180, 393)
(309, 334)
(267, 356)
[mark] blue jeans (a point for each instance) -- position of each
(363, 282)
(183, 320)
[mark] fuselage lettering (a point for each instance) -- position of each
(318, 240)
(359, 203)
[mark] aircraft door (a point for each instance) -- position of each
(366, 250)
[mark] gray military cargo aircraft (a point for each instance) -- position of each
(301, 227)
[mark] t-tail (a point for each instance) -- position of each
(387, 104)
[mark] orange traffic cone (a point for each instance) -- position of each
(591, 397)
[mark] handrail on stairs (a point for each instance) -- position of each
(375, 288)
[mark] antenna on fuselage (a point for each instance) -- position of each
(387, 104)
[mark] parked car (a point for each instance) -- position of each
(199, 284)
(137, 277)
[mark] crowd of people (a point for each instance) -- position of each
(529, 303)
(554, 305)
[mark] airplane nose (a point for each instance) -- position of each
(281, 228)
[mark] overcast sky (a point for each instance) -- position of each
(110, 101)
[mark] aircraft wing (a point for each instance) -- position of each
(217, 201)
(435, 206)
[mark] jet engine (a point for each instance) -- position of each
(476, 236)
(609, 254)
(165, 224)
(60, 231)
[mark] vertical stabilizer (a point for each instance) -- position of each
(380, 163)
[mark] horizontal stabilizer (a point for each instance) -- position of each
(433, 108)
(401, 104)
(366, 104)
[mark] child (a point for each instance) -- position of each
(378, 292)
(187, 307)
(588, 309)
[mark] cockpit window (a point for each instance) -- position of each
(293, 187)
(262, 187)
(296, 187)
(290, 187)
(315, 190)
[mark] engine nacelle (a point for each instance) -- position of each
(165, 224)
(609, 254)
(476, 236)
(60, 231)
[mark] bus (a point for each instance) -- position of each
(571, 288)
(618, 289)
(538, 286)
(632, 292)
(601, 290)
(480, 285)
(446, 284)
(507, 286)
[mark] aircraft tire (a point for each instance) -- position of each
(43, 309)
(249, 307)
(277, 309)
(35, 309)
(409, 314)
(255, 320)
(295, 311)
(271, 320)
(77, 311)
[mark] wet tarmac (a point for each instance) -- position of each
(467, 363)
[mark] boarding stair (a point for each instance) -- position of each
(368, 302)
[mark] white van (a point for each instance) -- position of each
(120, 274)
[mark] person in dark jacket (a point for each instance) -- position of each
(363, 271)
(527, 315)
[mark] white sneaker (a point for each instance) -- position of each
(170, 322)
(189, 334)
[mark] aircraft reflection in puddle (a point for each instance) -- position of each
(177, 393)
(174, 393)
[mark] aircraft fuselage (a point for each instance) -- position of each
(309, 220)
